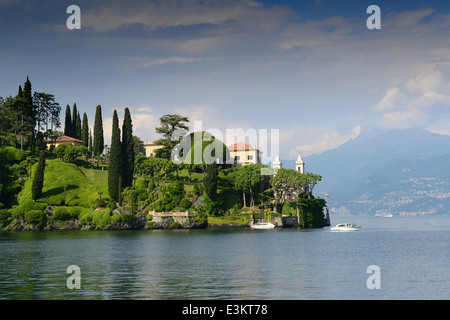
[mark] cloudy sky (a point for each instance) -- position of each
(311, 69)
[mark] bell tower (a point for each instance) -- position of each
(300, 164)
(277, 164)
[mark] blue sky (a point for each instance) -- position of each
(310, 69)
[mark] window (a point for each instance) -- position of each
(249, 157)
(237, 158)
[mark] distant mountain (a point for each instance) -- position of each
(401, 171)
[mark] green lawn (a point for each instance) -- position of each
(82, 185)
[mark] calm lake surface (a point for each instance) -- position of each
(413, 254)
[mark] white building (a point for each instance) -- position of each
(245, 154)
(300, 164)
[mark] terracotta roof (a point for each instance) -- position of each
(64, 139)
(241, 146)
(153, 143)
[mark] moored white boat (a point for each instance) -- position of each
(263, 225)
(345, 227)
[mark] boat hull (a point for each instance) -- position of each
(261, 226)
(344, 227)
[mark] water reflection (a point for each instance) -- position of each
(228, 264)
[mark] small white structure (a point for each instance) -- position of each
(300, 164)
(277, 164)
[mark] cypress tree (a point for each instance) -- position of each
(90, 143)
(38, 180)
(85, 131)
(68, 123)
(28, 95)
(210, 180)
(32, 143)
(127, 150)
(98, 132)
(114, 160)
(78, 127)
(74, 121)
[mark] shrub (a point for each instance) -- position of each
(25, 206)
(143, 195)
(86, 216)
(311, 212)
(101, 218)
(128, 218)
(75, 212)
(287, 209)
(142, 184)
(175, 225)
(116, 218)
(5, 217)
(61, 214)
(151, 185)
(185, 203)
(37, 218)
(38, 179)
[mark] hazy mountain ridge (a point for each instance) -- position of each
(399, 171)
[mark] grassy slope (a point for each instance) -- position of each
(82, 185)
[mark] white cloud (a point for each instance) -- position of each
(415, 102)
(313, 140)
(406, 19)
(389, 100)
(165, 13)
(147, 62)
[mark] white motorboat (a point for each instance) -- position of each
(345, 227)
(263, 225)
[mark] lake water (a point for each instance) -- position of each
(413, 254)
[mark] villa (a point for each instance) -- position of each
(150, 148)
(244, 154)
(63, 139)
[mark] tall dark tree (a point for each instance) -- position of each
(91, 145)
(68, 123)
(139, 148)
(210, 180)
(47, 111)
(28, 95)
(114, 160)
(18, 121)
(85, 131)
(38, 180)
(78, 127)
(74, 121)
(170, 123)
(127, 150)
(98, 132)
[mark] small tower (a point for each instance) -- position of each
(300, 164)
(277, 164)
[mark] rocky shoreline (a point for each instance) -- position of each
(139, 223)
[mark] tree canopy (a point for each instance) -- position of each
(170, 127)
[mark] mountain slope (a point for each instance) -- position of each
(369, 175)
